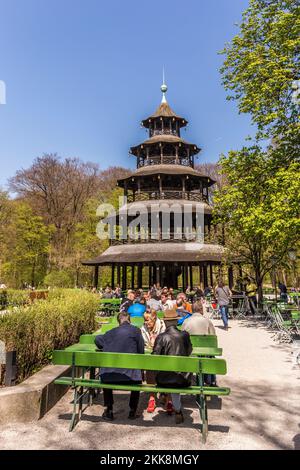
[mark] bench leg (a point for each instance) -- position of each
(80, 401)
(74, 418)
(201, 401)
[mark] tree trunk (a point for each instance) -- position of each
(259, 283)
(33, 275)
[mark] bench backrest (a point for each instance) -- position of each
(140, 361)
(204, 341)
(112, 301)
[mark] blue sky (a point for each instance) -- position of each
(80, 76)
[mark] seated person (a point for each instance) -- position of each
(128, 301)
(152, 302)
(108, 294)
(173, 343)
(152, 327)
(182, 313)
(137, 309)
(186, 305)
(118, 292)
(125, 338)
(166, 303)
(197, 324)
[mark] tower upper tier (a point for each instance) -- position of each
(164, 145)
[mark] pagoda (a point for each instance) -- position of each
(165, 177)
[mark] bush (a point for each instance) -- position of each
(58, 279)
(35, 330)
(13, 298)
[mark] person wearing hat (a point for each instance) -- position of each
(173, 342)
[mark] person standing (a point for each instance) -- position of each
(223, 295)
(251, 290)
(173, 343)
(125, 338)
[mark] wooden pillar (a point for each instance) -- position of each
(183, 187)
(118, 274)
(183, 278)
(200, 274)
(140, 276)
(191, 276)
(161, 154)
(124, 277)
(96, 276)
(174, 277)
(139, 188)
(230, 277)
(132, 277)
(205, 279)
(113, 276)
(176, 154)
(160, 185)
(211, 275)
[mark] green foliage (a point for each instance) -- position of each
(28, 245)
(261, 67)
(58, 279)
(17, 298)
(260, 207)
(35, 330)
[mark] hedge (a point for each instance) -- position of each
(35, 330)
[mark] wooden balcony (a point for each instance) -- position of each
(157, 195)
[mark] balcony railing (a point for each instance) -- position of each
(165, 160)
(162, 238)
(150, 195)
(164, 132)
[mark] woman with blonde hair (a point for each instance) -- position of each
(151, 328)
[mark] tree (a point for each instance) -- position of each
(28, 246)
(261, 68)
(260, 209)
(57, 191)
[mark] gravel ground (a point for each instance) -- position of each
(262, 412)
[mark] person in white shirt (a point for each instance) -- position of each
(166, 304)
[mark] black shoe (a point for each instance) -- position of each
(108, 415)
(132, 414)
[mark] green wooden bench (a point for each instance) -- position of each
(89, 359)
(208, 341)
(89, 345)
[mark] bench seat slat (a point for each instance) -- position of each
(193, 390)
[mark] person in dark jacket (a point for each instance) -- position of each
(127, 302)
(173, 343)
(125, 338)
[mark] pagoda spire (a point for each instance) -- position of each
(164, 88)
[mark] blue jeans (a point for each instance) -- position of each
(223, 309)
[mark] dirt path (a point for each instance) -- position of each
(262, 412)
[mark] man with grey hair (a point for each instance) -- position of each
(197, 324)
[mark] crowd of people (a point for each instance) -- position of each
(159, 336)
